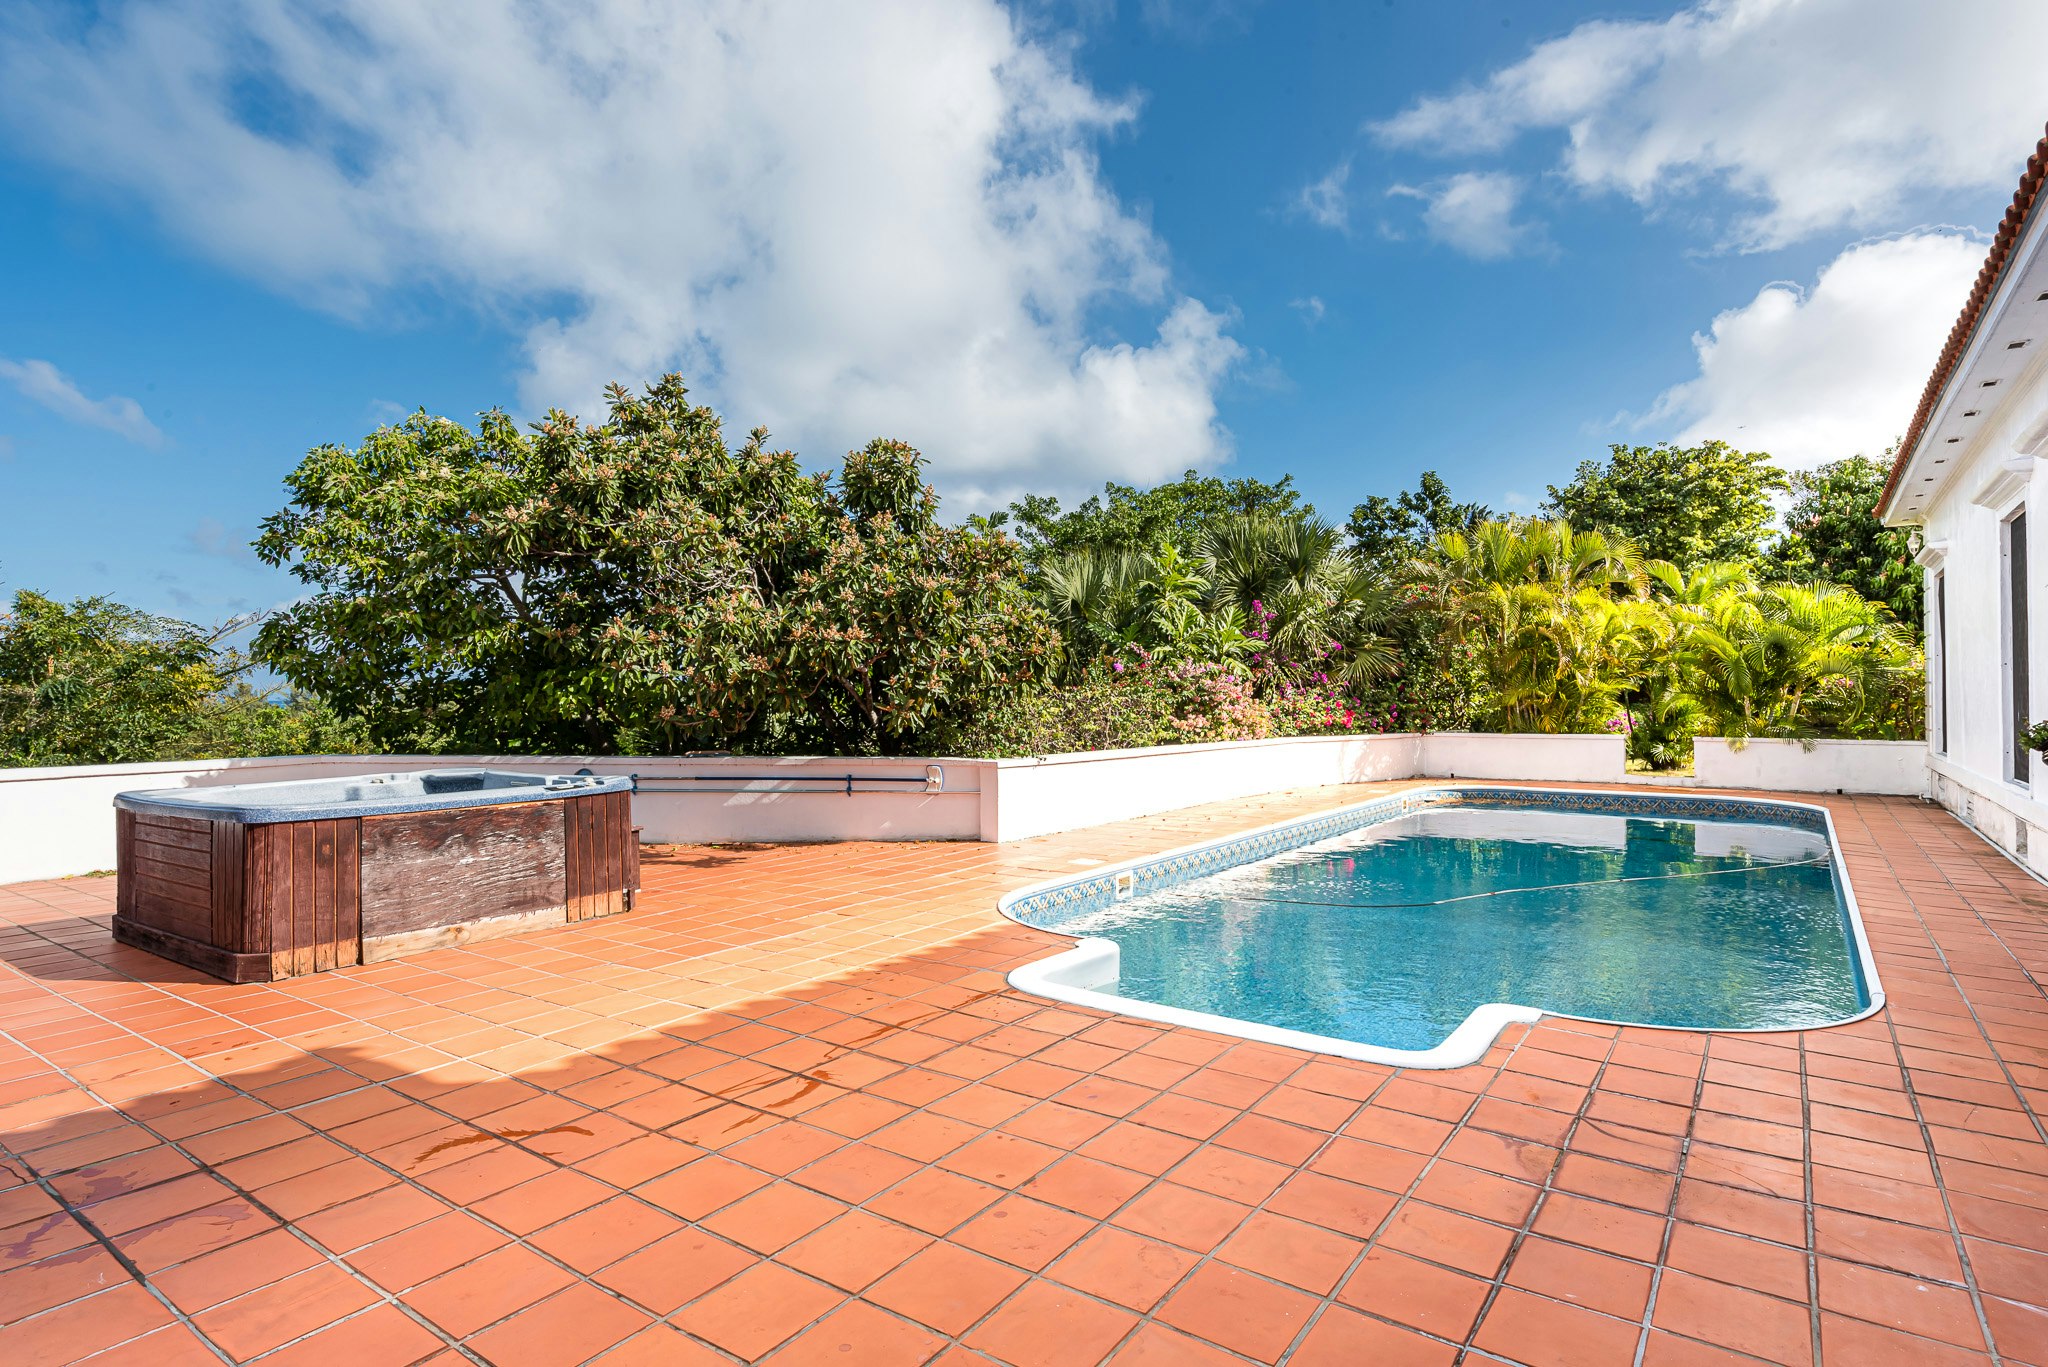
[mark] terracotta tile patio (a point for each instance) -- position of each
(790, 1111)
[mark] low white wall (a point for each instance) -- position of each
(1896, 767)
(741, 798)
(1066, 792)
(1524, 758)
(59, 822)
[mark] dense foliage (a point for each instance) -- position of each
(637, 585)
(1832, 532)
(1551, 618)
(1574, 631)
(95, 682)
(1690, 505)
(1121, 518)
(1277, 593)
(1119, 704)
(1387, 532)
(1657, 608)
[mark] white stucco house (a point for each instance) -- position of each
(1972, 475)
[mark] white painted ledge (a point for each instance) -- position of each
(1895, 767)
(60, 822)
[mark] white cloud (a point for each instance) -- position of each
(1817, 374)
(1824, 113)
(841, 221)
(1474, 212)
(42, 383)
(1324, 202)
(1310, 307)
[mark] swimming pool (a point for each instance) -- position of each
(1411, 929)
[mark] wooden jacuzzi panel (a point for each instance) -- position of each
(259, 902)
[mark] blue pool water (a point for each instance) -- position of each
(1391, 935)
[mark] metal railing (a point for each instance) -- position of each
(932, 781)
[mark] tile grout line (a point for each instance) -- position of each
(129, 1266)
(504, 970)
(1148, 1317)
(79, 1214)
(1912, 1094)
(922, 1018)
(1544, 1190)
(1368, 1243)
(1991, 1043)
(1699, 1089)
(1813, 1309)
(473, 1122)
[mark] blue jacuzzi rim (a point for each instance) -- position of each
(1071, 975)
(186, 802)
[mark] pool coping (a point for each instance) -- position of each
(1073, 975)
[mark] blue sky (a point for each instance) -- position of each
(1048, 245)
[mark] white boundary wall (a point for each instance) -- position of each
(59, 822)
(1065, 792)
(1897, 767)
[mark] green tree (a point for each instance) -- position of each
(96, 682)
(1832, 532)
(636, 584)
(1313, 607)
(897, 624)
(1802, 660)
(1279, 593)
(1554, 619)
(1124, 518)
(1390, 531)
(243, 720)
(1690, 505)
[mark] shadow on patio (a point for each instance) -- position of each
(792, 1111)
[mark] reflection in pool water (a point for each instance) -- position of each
(1392, 934)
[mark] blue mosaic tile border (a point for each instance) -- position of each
(1047, 908)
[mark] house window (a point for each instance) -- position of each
(1937, 641)
(2018, 663)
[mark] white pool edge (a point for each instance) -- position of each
(1073, 975)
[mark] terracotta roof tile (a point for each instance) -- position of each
(2008, 234)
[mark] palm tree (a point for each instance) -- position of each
(1663, 712)
(1091, 596)
(1107, 602)
(1317, 606)
(1802, 660)
(1548, 552)
(1558, 618)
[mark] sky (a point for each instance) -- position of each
(1048, 243)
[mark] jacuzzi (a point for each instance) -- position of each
(258, 881)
